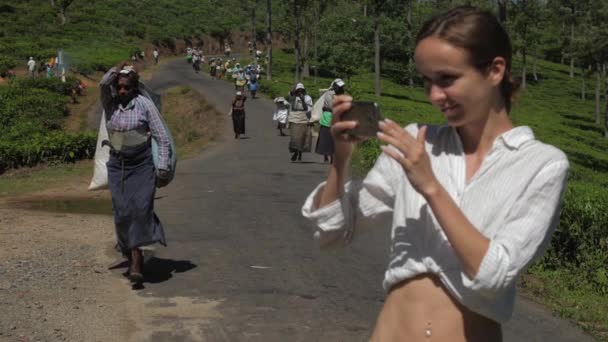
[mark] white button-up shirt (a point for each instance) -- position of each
(514, 200)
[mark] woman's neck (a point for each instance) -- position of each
(479, 136)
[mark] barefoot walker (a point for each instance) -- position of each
(132, 120)
(473, 202)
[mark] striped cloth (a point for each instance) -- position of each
(140, 114)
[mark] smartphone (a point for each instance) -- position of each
(367, 114)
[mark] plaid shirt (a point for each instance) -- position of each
(140, 113)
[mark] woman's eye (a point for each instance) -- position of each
(446, 80)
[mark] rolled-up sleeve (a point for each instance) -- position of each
(157, 128)
(335, 223)
(526, 233)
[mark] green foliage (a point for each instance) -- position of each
(6, 64)
(54, 146)
(345, 52)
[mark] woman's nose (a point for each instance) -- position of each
(436, 93)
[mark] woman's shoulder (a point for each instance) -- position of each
(524, 141)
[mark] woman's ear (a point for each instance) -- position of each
(496, 72)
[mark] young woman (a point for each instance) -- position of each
(473, 202)
(132, 120)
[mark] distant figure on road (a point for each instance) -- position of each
(227, 50)
(238, 114)
(301, 106)
(325, 144)
(473, 202)
(31, 67)
(281, 114)
(156, 55)
(132, 121)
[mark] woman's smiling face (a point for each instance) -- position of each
(456, 87)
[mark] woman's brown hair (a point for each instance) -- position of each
(479, 32)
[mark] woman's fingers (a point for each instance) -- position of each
(340, 105)
(340, 127)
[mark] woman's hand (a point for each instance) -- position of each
(411, 153)
(343, 142)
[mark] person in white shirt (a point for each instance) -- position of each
(473, 202)
(300, 105)
(156, 55)
(31, 67)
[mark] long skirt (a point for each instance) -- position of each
(325, 144)
(238, 121)
(300, 137)
(132, 182)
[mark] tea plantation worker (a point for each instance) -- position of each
(31, 67)
(301, 107)
(473, 202)
(238, 114)
(325, 144)
(132, 120)
(156, 55)
(281, 114)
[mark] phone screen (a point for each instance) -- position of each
(367, 114)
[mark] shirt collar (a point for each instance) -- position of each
(129, 106)
(517, 136)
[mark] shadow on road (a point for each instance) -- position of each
(158, 270)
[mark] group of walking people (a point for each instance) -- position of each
(473, 202)
(297, 112)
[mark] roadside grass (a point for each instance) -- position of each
(193, 122)
(552, 107)
(44, 177)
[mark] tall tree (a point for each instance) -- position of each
(297, 10)
(378, 7)
(269, 38)
(63, 6)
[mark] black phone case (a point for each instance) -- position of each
(367, 114)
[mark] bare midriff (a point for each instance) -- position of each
(421, 309)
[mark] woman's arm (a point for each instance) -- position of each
(158, 133)
(108, 92)
(491, 263)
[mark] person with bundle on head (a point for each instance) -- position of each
(132, 121)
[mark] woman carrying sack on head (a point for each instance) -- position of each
(473, 202)
(132, 121)
(238, 114)
(325, 144)
(299, 117)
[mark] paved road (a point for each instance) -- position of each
(241, 252)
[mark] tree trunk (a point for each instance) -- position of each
(583, 94)
(253, 28)
(606, 113)
(297, 39)
(305, 54)
(410, 41)
(269, 39)
(377, 55)
(534, 68)
(571, 67)
(52, 3)
(571, 51)
(598, 86)
(365, 10)
(563, 59)
(62, 15)
(502, 11)
(523, 69)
